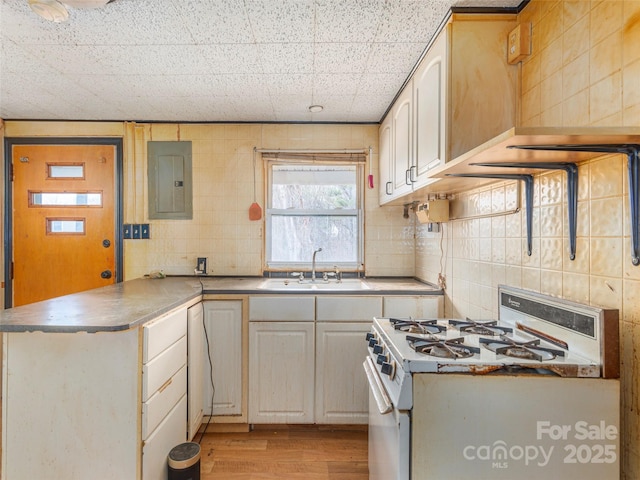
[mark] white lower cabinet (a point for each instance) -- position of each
(164, 391)
(223, 320)
(341, 387)
(281, 372)
(309, 370)
(104, 405)
(170, 432)
(195, 369)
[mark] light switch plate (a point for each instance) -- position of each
(127, 231)
(519, 43)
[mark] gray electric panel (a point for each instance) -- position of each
(170, 180)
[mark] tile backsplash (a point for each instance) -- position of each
(223, 190)
(583, 71)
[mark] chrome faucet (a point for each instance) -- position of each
(313, 264)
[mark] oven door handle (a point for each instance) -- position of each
(377, 389)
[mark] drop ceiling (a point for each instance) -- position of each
(216, 60)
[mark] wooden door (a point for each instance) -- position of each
(63, 220)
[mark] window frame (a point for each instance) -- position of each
(358, 213)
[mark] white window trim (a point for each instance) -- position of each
(320, 265)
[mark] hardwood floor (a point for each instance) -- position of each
(310, 452)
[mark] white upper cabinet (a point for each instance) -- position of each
(385, 156)
(462, 94)
(429, 93)
(402, 134)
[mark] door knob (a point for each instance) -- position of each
(106, 274)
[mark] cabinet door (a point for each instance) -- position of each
(195, 368)
(385, 161)
(429, 111)
(341, 385)
(223, 319)
(402, 146)
(281, 372)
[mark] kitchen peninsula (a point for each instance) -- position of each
(96, 381)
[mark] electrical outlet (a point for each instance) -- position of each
(519, 43)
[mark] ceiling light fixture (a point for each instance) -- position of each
(316, 108)
(51, 10)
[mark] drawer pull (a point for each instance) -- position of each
(165, 385)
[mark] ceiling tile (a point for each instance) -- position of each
(286, 57)
(347, 22)
(394, 57)
(341, 57)
(284, 21)
(222, 21)
(336, 83)
(223, 60)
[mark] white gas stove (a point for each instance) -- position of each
(557, 346)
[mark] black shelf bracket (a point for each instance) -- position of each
(572, 190)
(632, 151)
(528, 194)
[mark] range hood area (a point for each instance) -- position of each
(520, 152)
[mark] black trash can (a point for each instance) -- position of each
(184, 462)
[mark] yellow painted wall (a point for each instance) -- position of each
(223, 190)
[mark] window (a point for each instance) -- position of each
(65, 199)
(311, 206)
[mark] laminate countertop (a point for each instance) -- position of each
(126, 305)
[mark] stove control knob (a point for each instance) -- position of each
(373, 342)
(378, 349)
(370, 335)
(389, 368)
(382, 359)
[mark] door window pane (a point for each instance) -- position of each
(65, 171)
(73, 226)
(65, 199)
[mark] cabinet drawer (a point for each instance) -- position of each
(426, 306)
(160, 333)
(161, 402)
(160, 369)
(172, 431)
(352, 309)
(282, 309)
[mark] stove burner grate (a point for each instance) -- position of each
(488, 327)
(528, 350)
(417, 326)
(442, 348)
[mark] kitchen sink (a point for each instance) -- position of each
(319, 284)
